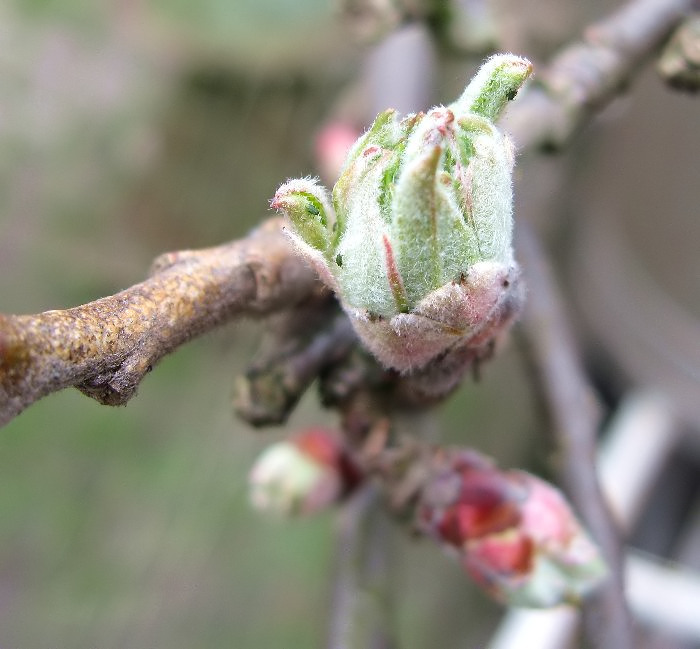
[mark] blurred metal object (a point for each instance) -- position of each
(544, 629)
(679, 63)
(644, 429)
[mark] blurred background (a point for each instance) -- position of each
(132, 127)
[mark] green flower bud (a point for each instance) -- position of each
(416, 239)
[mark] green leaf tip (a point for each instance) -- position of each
(496, 83)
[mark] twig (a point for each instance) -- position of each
(358, 600)
(298, 345)
(585, 76)
(106, 347)
(573, 411)
(578, 82)
(644, 426)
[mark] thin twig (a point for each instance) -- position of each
(587, 75)
(298, 345)
(575, 417)
(579, 82)
(106, 347)
(358, 600)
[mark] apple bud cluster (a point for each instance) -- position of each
(513, 533)
(416, 238)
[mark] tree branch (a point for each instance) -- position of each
(586, 75)
(106, 347)
(578, 83)
(359, 598)
(572, 408)
(297, 346)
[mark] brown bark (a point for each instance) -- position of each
(106, 347)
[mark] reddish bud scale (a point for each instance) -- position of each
(508, 554)
(515, 534)
(325, 447)
(464, 522)
(394, 277)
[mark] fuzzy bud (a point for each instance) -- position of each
(513, 533)
(416, 239)
(302, 475)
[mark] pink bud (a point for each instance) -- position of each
(514, 533)
(303, 474)
(327, 448)
(333, 142)
(511, 553)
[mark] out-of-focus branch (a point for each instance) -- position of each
(572, 408)
(578, 82)
(679, 63)
(358, 601)
(585, 76)
(105, 348)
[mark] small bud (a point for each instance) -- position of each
(332, 144)
(416, 240)
(302, 475)
(513, 532)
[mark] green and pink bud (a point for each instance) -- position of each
(303, 475)
(416, 238)
(512, 532)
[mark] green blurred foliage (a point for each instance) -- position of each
(130, 527)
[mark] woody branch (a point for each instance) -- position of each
(104, 348)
